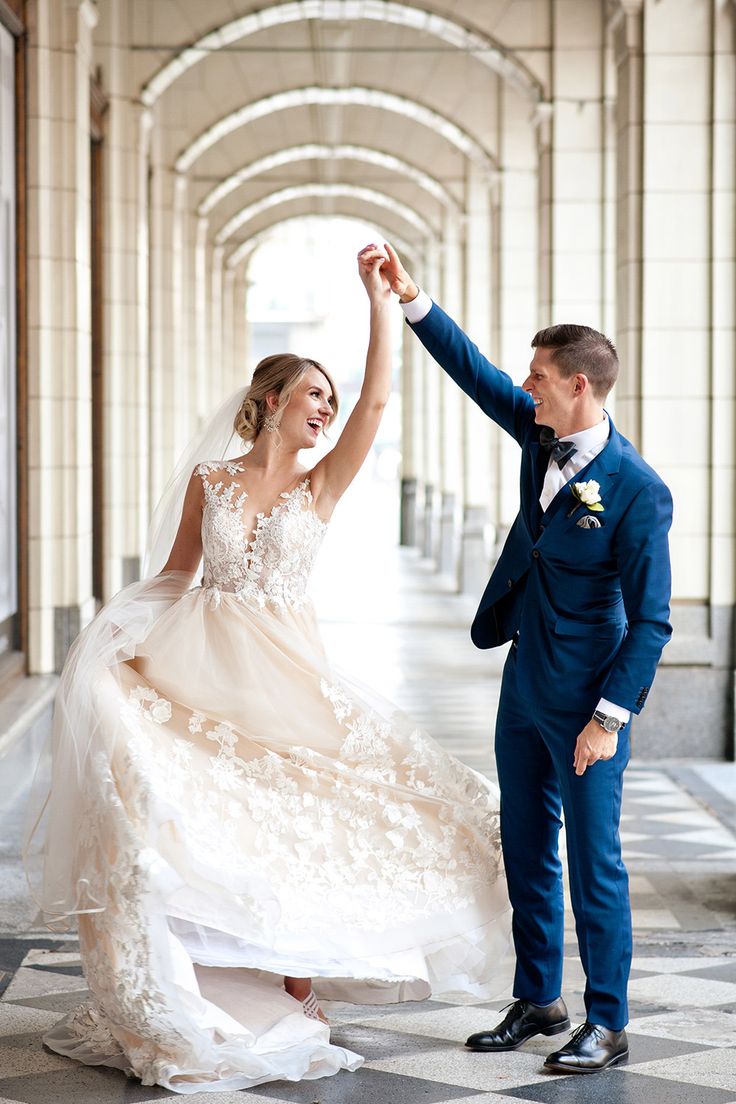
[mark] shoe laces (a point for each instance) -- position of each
(583, 1031)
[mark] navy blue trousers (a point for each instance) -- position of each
(534, 755)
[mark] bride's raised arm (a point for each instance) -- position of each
(335, 472)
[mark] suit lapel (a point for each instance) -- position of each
(602, 468)
(539, 460)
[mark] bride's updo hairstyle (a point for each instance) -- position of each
(281, 372)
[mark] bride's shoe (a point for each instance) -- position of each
(312, 1010)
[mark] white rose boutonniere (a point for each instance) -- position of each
(587, 494)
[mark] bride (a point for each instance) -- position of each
(228, 819)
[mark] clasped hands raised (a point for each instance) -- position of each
(382, 273)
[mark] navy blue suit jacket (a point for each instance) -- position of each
(591, 606)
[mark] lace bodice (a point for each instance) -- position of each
(271, 565)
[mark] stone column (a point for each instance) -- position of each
(479, 480)
(59, 327)
(676, 313)
(202, 290)
(141, 491)
(216, 373)
(628, 33)
(410, 437)
(516, 290)
(125, 392)
(125, 290)
(228, 328)
(163, 322)
(196, 367)
(431, 419)
(182, 385)
(242, 370)
(414, 394)
(571, 169)
(451, 401)
(723, 319)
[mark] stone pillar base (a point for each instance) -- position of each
(408, 520)
(447, 556)
(474, 567)
(428, 535)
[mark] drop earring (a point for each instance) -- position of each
(271, 422)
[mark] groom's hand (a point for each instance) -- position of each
(400, 280)
(593, 743)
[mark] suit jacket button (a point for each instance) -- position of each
(535, 553)
(509, 583)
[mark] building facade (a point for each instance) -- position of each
(534, 161)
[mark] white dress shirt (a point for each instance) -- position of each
(588, 442)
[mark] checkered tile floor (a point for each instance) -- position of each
(680, 847)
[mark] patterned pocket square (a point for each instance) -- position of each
(588, 521)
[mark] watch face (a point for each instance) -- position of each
(612, 724)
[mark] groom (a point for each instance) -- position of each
(582, 590)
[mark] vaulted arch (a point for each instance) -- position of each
(482, 47)
(295, 154)
(322, 191)
(246, 247)
(346, 97)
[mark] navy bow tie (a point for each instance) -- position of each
(561, 451)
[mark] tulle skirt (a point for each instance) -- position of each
(225, 809)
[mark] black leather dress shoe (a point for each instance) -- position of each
(523, 1021)
(591, 1048)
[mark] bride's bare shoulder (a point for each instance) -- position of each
(207, 467)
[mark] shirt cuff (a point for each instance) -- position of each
(418, 308)
(612, 710)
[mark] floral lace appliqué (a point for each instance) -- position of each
(271, 566)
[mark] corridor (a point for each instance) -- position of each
(184, 187)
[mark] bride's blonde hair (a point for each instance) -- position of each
(280, 372)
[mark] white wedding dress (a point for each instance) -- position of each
(234, 811)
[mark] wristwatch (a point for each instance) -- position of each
(611, 724)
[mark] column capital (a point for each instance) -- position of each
(542, 117)
(542, 112)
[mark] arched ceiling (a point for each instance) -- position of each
(383, 163)
(366, 196)
(318, 96)
(423, 212)
(233, 84)
(480, 45)
(166, 27)
(324, 125)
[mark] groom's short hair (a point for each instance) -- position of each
(581, 349)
